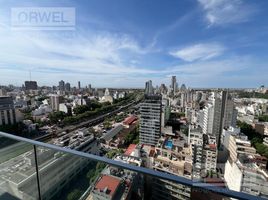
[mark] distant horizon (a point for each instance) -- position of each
(110, 87)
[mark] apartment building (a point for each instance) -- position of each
(247, 175)
(239, 144)
(195, 140)
(171, 156)
(7, 111)
(150, 119)
(219, 113)
(55, 101)
(204, 152)
(209, 154)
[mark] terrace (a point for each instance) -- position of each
(48, 179)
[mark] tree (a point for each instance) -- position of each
(107, 124)
(42, 98)
(56, 116)
(28, 116)
(81, 109)
(96, 109)
(94, 105)
(248, 130)
(91, 173)
(112, 153)
(252, 95)
(136, 141)
(186, 131)
(16, 129)
(106, 104)
(255, 138)
(74, 195)
(263, 118)
(100, 166)
(132, 137)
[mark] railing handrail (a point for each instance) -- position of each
(147, 171)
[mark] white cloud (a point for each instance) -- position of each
(105, 59)
(214, 67)
(199, 52)
(221, 72)
(88, 53)
(92, 56)
(221, 12)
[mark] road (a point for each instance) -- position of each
(87, 123)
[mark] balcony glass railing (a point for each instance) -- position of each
(35, 170)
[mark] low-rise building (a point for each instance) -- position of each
(225, 137)
(130, 120)
(42, 110)
(66, 108)
(119, 184)
(106, 188)
(29, 125)
(81, 139)
(246, 175)
(239, 144)
(108, 138)
(133, 150)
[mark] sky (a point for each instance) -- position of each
(205, 43)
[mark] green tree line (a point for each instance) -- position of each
(255, 138)
(252, 95)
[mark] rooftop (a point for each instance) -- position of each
(167, 130)
(130, 149)
(74, 139)
(129, 159)
(252, 164)
(113, 132)
(129, 120)
(107, 184)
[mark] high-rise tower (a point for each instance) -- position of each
(149, 87)
(150, 119)
(173, 84)
(61, 85)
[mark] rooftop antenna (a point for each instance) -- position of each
(30, 73)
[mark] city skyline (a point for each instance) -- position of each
(204, 43)
(73, 85)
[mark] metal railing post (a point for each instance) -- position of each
(37, 173)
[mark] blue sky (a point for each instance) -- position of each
(205, 43)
